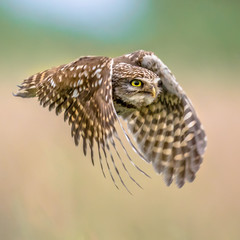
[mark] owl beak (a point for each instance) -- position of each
(153, 92)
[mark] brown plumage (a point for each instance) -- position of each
(94, 91)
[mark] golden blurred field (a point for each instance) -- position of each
(49, 190)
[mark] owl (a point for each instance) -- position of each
(97, 94)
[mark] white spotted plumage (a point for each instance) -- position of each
(94, 92)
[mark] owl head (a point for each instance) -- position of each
(135, 85)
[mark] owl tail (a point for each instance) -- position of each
(29, 87)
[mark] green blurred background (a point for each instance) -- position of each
(48, 190)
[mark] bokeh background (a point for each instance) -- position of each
(48, 190)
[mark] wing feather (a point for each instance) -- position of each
(83, 91)
(168, 132)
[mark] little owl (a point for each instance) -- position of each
(93, 92)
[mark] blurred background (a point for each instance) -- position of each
(48, 190)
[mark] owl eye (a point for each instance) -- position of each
(136, 83)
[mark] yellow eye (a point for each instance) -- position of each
(136, 83)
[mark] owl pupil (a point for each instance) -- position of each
(136, 83)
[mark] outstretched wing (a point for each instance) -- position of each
(168, 132)
(83, 90)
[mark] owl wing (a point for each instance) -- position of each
(83, 90)
(168, 132)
